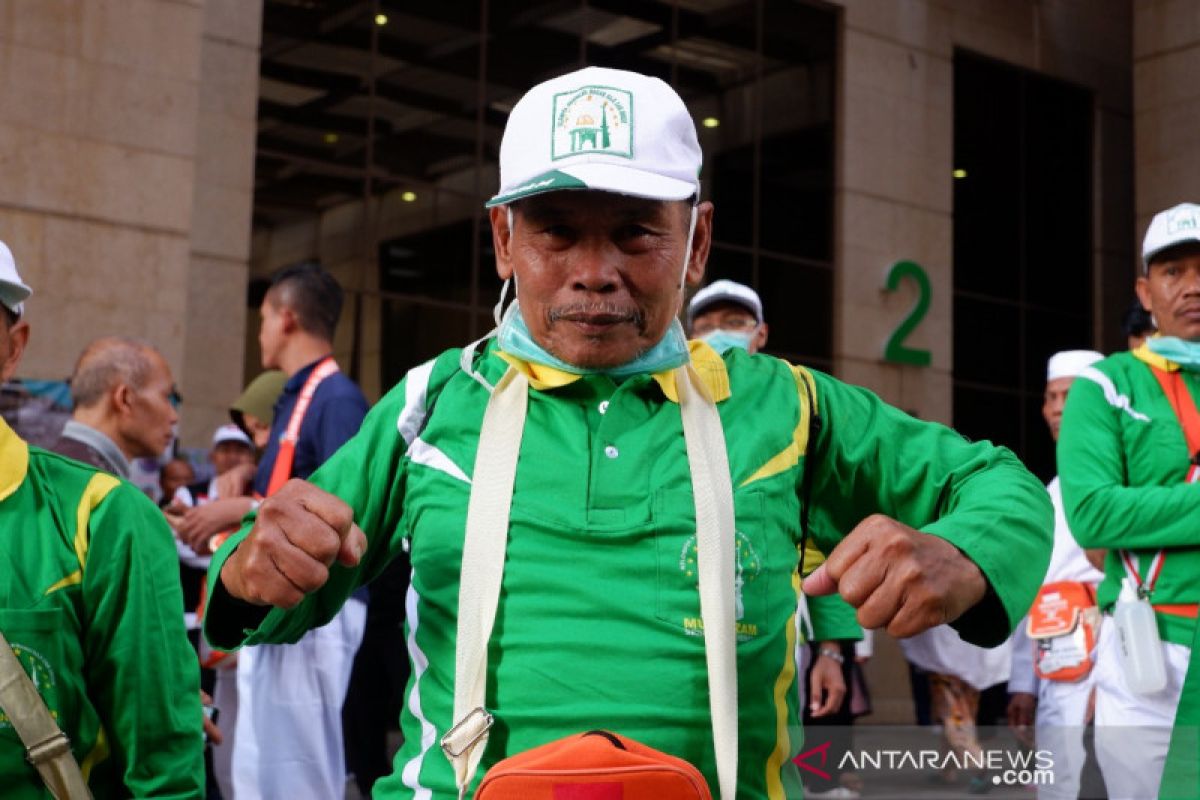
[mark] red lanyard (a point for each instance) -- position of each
(1185, 411)
(1189, 419)
(286, 456)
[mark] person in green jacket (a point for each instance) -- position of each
(599, 622)
(91, 605)
(1126, 465)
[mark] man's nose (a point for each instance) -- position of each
(1191, 285)
(595, 266)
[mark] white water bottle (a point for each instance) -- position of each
(1141, 649)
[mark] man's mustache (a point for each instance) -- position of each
(607, 312)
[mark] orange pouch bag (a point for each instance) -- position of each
(1063, 624)
(596, 765)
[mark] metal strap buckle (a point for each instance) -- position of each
(467, 733)
(48, 749)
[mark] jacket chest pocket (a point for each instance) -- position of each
(678, 596)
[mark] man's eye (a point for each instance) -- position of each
(634, 232)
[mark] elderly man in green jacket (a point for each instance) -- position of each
(599, 623)
(1127, 462)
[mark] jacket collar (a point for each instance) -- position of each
(14, 460)
(707, 363)
(99, 442)
(1144, 354)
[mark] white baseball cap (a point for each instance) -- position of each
(13, 293)
(231, 433)
(1171, 227)
(724, 291)
(607, 130)
(1069, 363)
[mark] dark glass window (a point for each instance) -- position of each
(1022, 247)
(405, 104)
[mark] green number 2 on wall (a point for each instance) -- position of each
(895, 350)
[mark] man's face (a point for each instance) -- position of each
(1053, 402)
(731, 317)
(227, 455)
(598, 274)
(13, 337)
(271, 333)
(148, 416)
(1171, 292)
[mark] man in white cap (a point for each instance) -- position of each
(1048, 689)
(727, 314)
(1126, 459)
(91, 611)
(566, 452)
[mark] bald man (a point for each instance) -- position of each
(123, 391)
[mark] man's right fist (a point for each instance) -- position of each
(300, 531)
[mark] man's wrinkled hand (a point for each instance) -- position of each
(899, 578)
(298, 534)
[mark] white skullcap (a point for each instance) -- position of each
(1069, 363)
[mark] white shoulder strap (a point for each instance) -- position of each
(483, 568)
(712, 491)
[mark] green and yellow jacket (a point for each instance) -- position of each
(90, 602)
(599, 621)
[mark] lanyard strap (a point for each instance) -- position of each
(1147, 586)
(285, 458)
(1184, 407)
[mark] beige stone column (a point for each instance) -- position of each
(126, 172)
(1166, 103)
(893, 200)
(222, 210)
(97, 162)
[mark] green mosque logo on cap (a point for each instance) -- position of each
(1184, 219)
(592, 119)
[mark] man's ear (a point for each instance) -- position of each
(287, 320)
(122, 399)
(1142, 287)
(18, 337)
(761, 337)
(501, 241)
(701, 243)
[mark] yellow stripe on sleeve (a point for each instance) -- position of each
(790, 455)
(97, 489)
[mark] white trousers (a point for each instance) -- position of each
(225, 699)
(1133, 731)
(289, 722)
(1061, 724)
